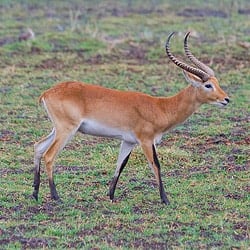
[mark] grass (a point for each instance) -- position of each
(205, 162)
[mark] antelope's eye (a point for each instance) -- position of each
(208, 86)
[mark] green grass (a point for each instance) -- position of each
(205, 162)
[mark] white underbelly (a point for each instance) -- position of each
(91, 127)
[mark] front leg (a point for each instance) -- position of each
(123, 157)
(150, 153)
(161, 187)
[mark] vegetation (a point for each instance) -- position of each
(120, 44)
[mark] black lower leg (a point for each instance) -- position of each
(112, 188)
(53, 191)
(36, 183)
(115, 179)
(163, 195)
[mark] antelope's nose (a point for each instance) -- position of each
(227, 99)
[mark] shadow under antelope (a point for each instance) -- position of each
(133, 117)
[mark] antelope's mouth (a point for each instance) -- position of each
(223, 103)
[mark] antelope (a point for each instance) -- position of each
(133, 117)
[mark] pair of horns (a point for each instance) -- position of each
(203, 71)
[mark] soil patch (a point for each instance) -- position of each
(189, 12)
(244, 11)
(51, 63)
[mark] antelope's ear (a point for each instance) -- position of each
(192, 79)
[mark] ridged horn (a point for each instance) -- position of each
(198, 72)
(194, 60)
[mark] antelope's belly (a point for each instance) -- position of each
(95, 128)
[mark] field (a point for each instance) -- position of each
(120, 44)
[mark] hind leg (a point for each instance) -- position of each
(39, 148)
(62, 136)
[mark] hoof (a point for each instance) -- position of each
(166, 202)
(35, 196)
(56, 199)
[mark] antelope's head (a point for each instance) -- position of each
(201, 77)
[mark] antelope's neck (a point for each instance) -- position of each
(179, 107)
